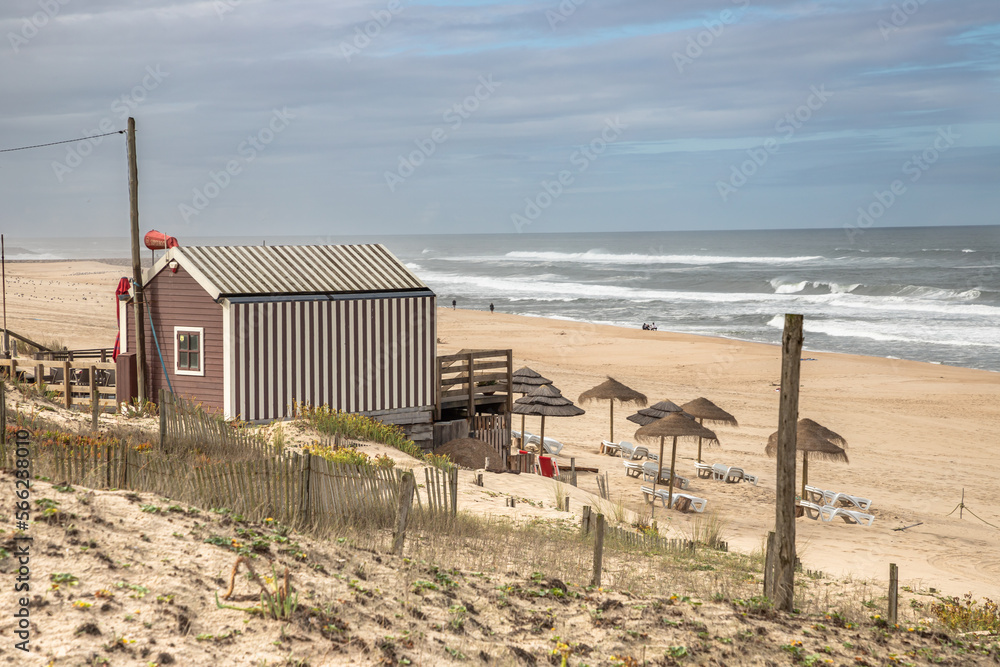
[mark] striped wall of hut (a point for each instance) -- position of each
(352, 354)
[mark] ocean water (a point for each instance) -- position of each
(927, 294)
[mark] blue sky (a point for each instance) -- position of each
(458, 116)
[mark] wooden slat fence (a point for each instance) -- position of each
(441, 489)
(632, 539)
(185, 424)
(494, 430)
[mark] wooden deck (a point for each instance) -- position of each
(72, 382)
(474, 379)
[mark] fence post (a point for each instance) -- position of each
(453, 485)
(406, 488)
(163, 418)
(769, 567)
(893, 593)
(3, 419)
(95, 409)
(585, 521)
(572, 471)
(566, 503)
(66, 385)
(788, 415)
(598, 551)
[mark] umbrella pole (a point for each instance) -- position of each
(805, 473)
(673, 462)
(701, 422)
(522, 432)
(612, 420)
(541, 444)
(659, 472)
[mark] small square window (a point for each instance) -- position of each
(188, 348)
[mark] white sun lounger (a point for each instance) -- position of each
(697, 504)
(633, 469)
(553, 446)
(827, 513)
(851, 516)
(609, 448)
(818, 495)
(704, 470)
(649, 470)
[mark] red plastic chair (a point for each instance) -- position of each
(547, 467)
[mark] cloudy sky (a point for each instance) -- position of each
(437, 116)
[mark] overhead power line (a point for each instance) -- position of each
(56, 143)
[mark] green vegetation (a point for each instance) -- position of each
(349, 425)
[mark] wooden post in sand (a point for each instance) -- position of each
(137, 301)
(893, 593)
(598, 550)
(406, 488)
(769, 567)
(585, 521)
(788, 414)
(3, 418)
(572, 471)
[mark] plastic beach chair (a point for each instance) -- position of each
(850, 516)
(650, 468)
(609, 448)
(856, 501)
(553, 446)
(547, 467)
(633, 469)
(704, 470)
(695, 503)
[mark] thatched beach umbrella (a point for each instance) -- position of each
(525, 380)
(546, 401)
(654, 412)
(612, 390)
(675, 425)
(809, 439)
(704, 410)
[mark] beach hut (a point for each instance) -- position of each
(254, 330)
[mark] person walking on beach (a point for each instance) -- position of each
(491, 309)
(453, 304)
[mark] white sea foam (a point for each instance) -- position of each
(599, 257)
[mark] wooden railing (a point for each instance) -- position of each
(474, 378)
(102, 353)
(71, 382)
(494, 430)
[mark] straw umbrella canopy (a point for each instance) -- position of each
(704, 410)
(654, 412)
(524, 381)
(612, 390)
(546, 401)
(809, 439)
(675, 425)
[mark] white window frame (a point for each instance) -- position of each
(201, 351)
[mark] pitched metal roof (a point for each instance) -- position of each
(298, 269)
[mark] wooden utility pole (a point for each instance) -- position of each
(137, 303)
(6, 336)
(788, 415)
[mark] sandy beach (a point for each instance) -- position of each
(918, 433)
